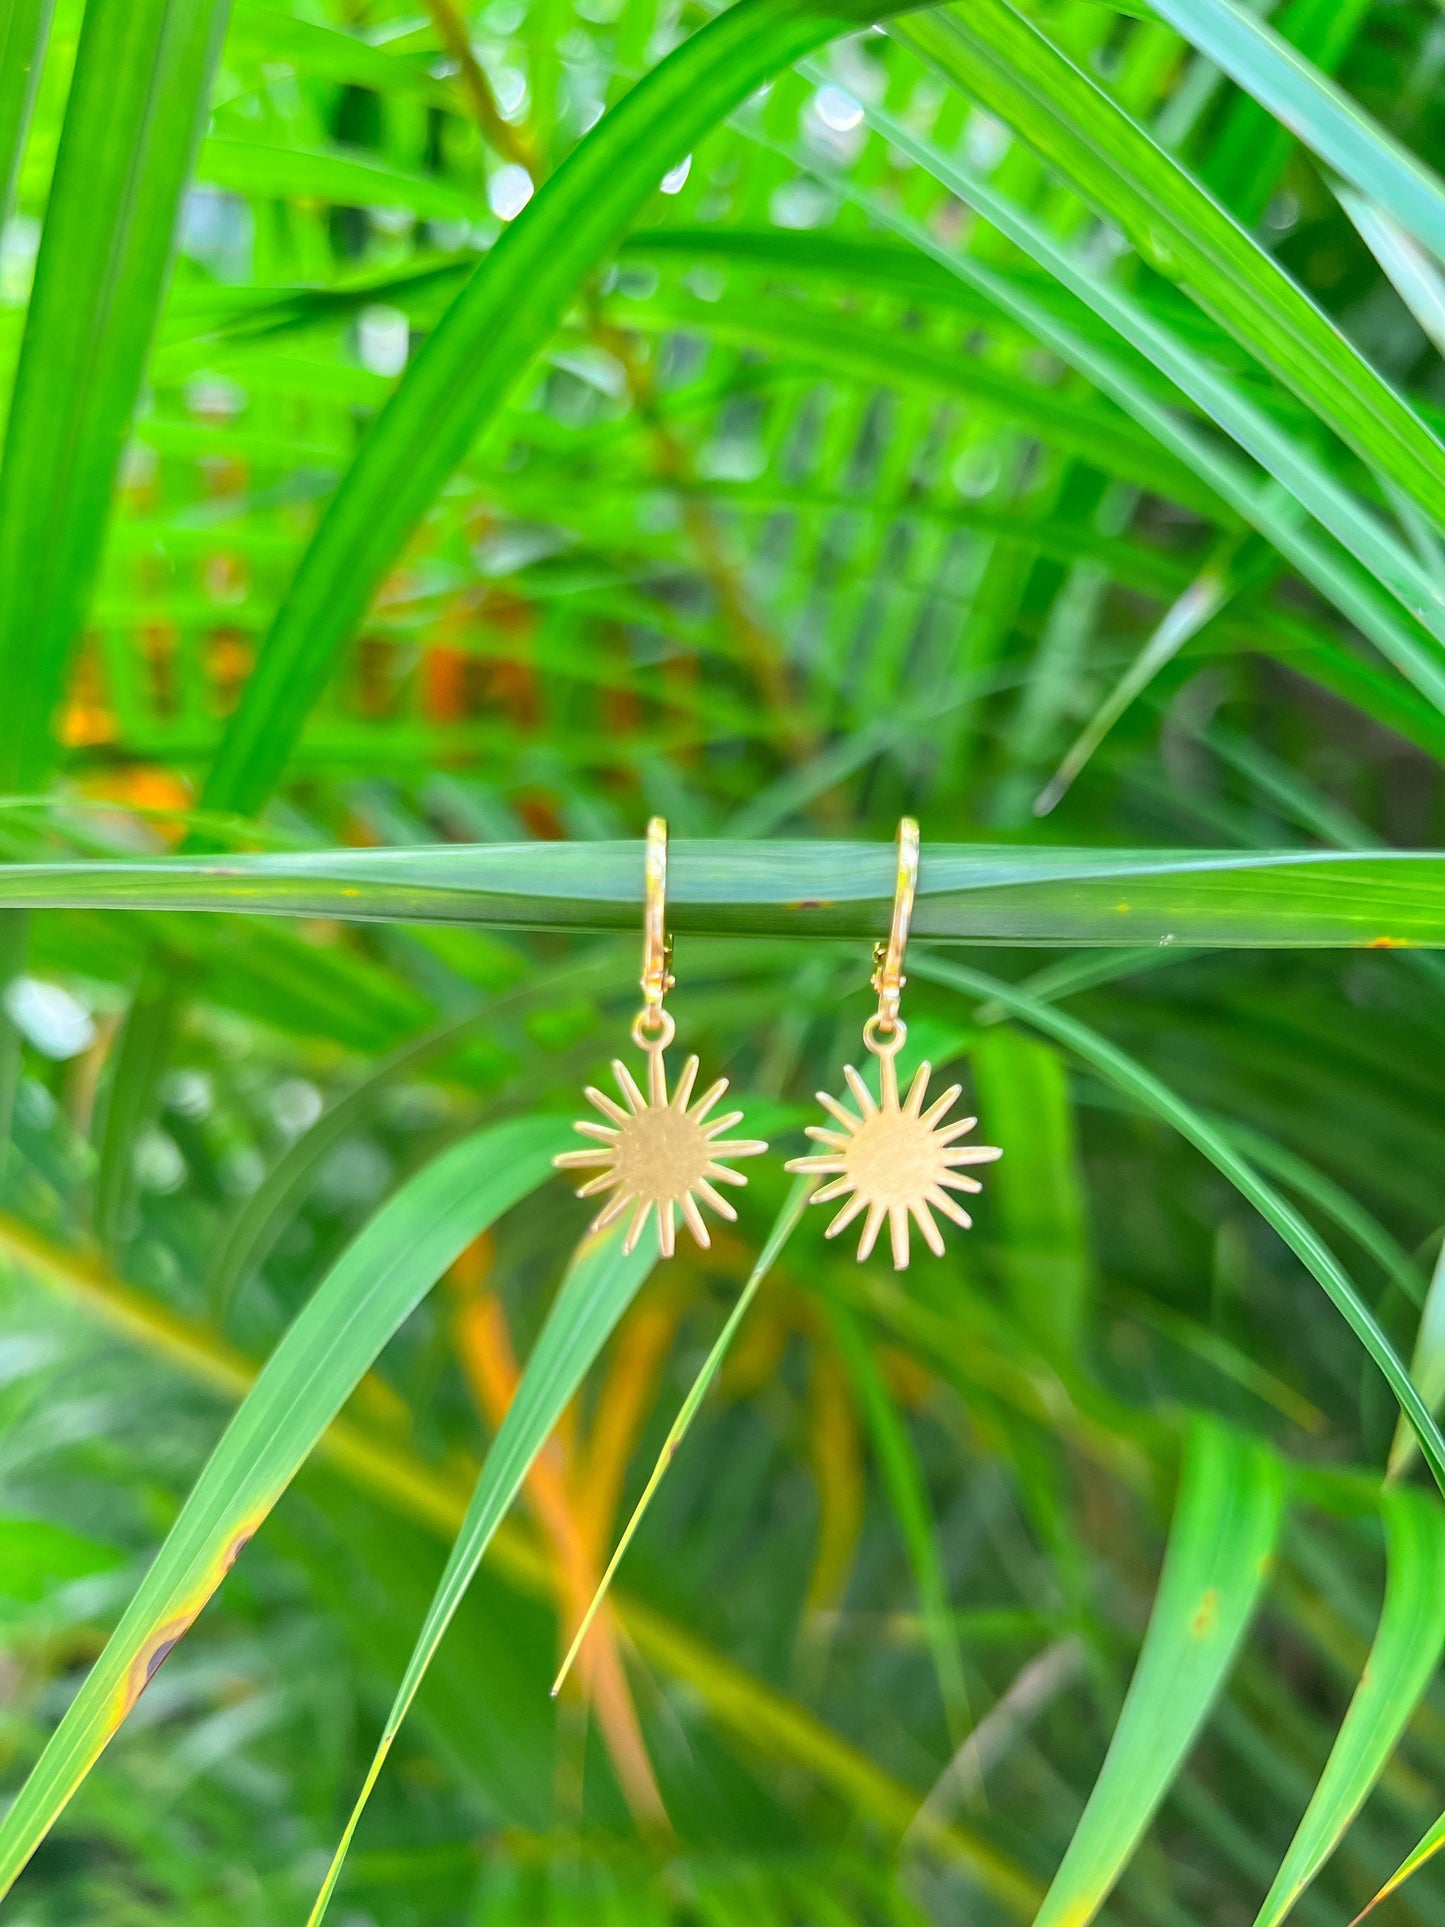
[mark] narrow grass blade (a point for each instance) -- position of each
(1427, 1366)
(1414, 276)
(601, 1284)
(1401, 1665)
(24, 30)
(1433, 1841)
(1180, 623)
(784, 1227)
(1126, 1075)
(482, 349)
(385, 1272)
(137, 101)
(1315, 109)
(908, 1495)
(1226, 1521)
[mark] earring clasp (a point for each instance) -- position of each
(657, 977)
(888, 978)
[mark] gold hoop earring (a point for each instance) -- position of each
(656, 1154)
(894, 1159)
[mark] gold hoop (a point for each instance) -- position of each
(657, 978)
(888, 977)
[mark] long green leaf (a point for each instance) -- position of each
(1401, 1665)
(601, 1284)
(136, 105)
(484, 346)
(1225, 1525)
(1126, 1075)
(1286, 898)
(334, 1340)
(1180, 230)
(24, 29)
(1314, 108)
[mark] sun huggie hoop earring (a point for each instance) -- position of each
(894, 1159)
(656, 1154)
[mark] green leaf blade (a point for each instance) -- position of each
(1402, 1662)
(1226, 1522)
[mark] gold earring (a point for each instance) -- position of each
(895, 1158)
(656, 1154)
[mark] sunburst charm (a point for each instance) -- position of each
(895, 1159)
(657, 1155)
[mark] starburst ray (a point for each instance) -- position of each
(636, 1228)
(941, 1106)
(594, 1187)
(836, 1110)
(898, 1235)
(924, 1219)
(827, 1192)
(876, 1214)
(917, 1090)
(950, 1207)
(846, 1216)
(862, 1096)
(694, 1220)
(581, 1160)
(605, 1132)
(608, 1106)
(627, 1084)
(717, 1125)
(612, 1212)
(715, 1198)
(685, 1084)
(709, 1097)
(955, 1182)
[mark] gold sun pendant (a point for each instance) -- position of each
(894, 1158)
(656, 1154)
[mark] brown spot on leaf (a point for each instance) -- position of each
(1387, 943)
(1206, 1613)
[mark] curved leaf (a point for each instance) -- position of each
(1225, 1525)
(484, 345)
(380, 1278)
(1401, 1665)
